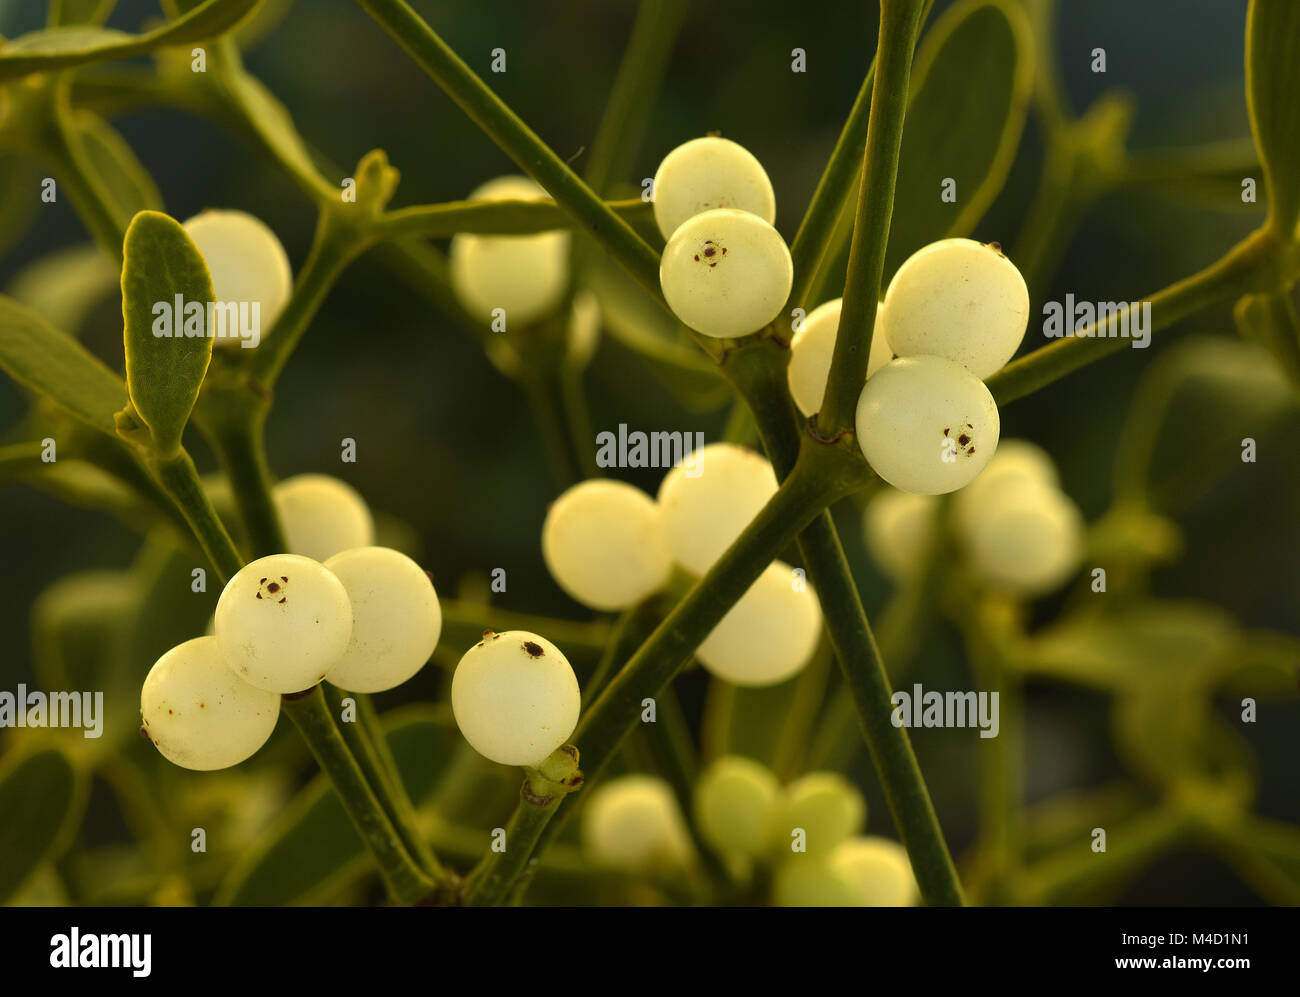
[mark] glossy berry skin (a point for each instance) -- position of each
(603, 542)
(707, 173)
(199, 713)
(283, 622)
(707, 501)
(247, 263)
(322, 515)
(526, 275)
(811, 349)
(927, 425)
(726, 273)
(396, 619)
(958, 299)
(769, 635)
(515, 697)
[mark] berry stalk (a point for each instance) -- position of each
(179, 478)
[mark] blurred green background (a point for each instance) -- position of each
(447, 445)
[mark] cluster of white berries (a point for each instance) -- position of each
(1018, 530)
(610, 546)
(364, 618)
(808, 833)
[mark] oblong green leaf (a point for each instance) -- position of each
(164, 367)
(79, 11)
(54, 364)
(41, 797)
(113, 162)
(306, 851)
(970, 96)
(79, 45)
(1272, 82)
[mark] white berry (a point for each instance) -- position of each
(515, 697)
(811, 349)
(396, 619)
(199, 713)
(1016, 463)
(878, 870)
(282, 622)
(632, 822)
(707, 173)
(926, 424)
(735, 803)
(603, 542)
(1028, 538)
(526, 275)
(247, 262)
(959, 299)
(726, 273)
(810, 881)
(769, 634)
(322, 515)
(707, 501)
(825, 806)
(898, 527)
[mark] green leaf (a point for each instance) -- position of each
(80, 626)
(63, 12)
(18, 179)
(63, 286)
(41, 795)
(970, 95)
(1272, 82)
(79, 45)
(56, 365)
(163, 373)
(114, 164)
(313, 844)
(1266, 854)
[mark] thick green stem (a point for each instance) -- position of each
(440, 221)
(516, 139)
(900, 20)
(333, 248)
(235, 431)
(406, 882)
(180, 480)
(1251, 265)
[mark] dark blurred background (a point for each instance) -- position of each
(447, 444)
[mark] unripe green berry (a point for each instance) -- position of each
(735, 803)
(199, 713)
(826, 806)
(708, 173)
(726, 273)
(878, 869)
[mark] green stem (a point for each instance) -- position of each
(492, 879)
(235, 431)
(631, 98)
(441, 221)
(516, 139)
(463, 624)
(335, 246)
(406, 882)
(365, 739)
(180, 480)
(545, 405)
(1251, 265)
(900, 20)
